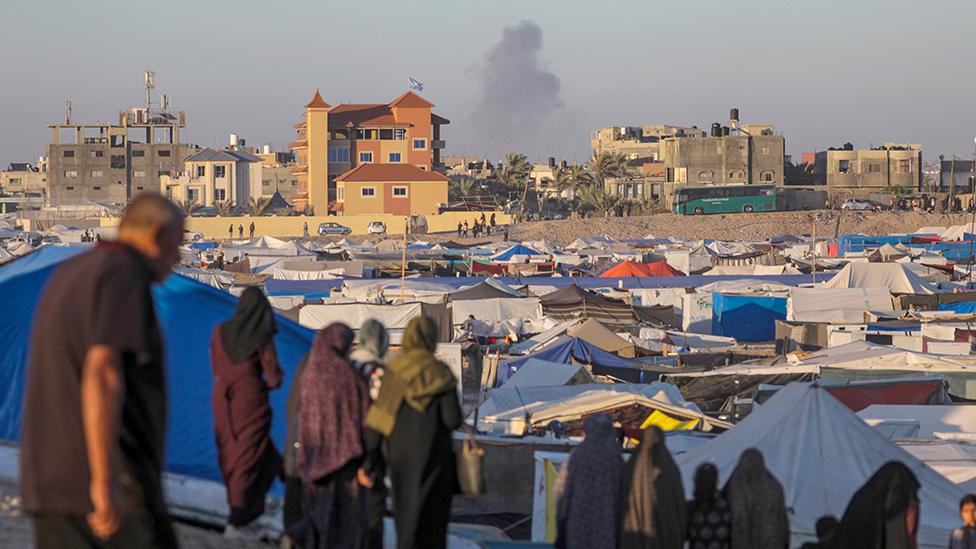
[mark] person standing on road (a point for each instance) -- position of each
(465, 228)
(305, 229)
(230, 231)
(459, 229)
(245, 368)
(251, 229)
(492, 220)
(94, 426)
(240, 231)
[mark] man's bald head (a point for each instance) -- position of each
(154, 226)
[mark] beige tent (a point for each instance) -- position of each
(595, 333)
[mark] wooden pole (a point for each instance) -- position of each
(403, 263)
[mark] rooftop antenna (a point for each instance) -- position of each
(67, 113)
(150, 85)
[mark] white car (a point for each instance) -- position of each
(856, 204)
(376, 227)
(191, 236)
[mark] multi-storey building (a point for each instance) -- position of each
(23, 179)
(638, 143)
(216, 175)
(890, 165)
(753, 154)
(331, 141)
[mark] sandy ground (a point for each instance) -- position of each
(16, 530)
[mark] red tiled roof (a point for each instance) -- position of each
(317, 102)
(389, 172)
(298, 144)
(362, 115)
(410, 99)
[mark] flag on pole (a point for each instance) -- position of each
(414, 85)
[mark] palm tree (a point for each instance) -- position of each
(189, 206)
(515, 176)
(461, 186)
(606, 164)
(598, 199)
(570, 178)
(223, 207)
(259, 205)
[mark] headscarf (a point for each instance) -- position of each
(588, 508)
(334, 400)
(759, 519)
(371, 342)
(251, 328)
(415, 377)
(653, 504)
(876, 517)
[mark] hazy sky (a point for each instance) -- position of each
(529, 75)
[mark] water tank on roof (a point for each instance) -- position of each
(266, 149)
(725, 130)
(233, 140)
(716, 129)
(563, 164)
(734, 114)
(552, 161)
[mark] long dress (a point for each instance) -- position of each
(247, 457)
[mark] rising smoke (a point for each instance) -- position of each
(519, 98)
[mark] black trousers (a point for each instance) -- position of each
(140, 529)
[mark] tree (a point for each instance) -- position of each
(259, 205)
(595, 197)
(606, 164)
(224, 207)
(460, 187)
(515, 176)
(189, 207)
(571, 178)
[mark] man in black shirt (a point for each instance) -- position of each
(94, 422)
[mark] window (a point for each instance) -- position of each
(338, 155)
(69, 188)
(843, 166)
(220, 194)
(138, 173)
(15, 181)
(708, 175)
(874, 168)
(118, 161)
(366, 134)
(400, 192)
(117, 140)
(97, 173)
(96, 154)
(368, 192)
(394, 157)
(138, 154)
(766, 176)
(70, 173)
(904, 166)
(96, 188)
(192, 195)
(201, 171)
(365, 157)
(765, 151)
(165, 152)
(399, 134)
(69, 154)
(386, 135)
(220, 172)
(737, 174)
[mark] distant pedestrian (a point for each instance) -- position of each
(332, 412)
(653, 508)
(759, 517)
(506, 233)
(465, 228)
(964, 537)
(459, 229)
(709, 516)
(415, 413)
(220, 260)
(588, 489)
(305, 230)
(483, 222)
(230, 231)
(882, 514)
(493, 221)
(251, 229)
(94, 425)
(240, 231)
(245, 369)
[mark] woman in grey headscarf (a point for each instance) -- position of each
(759, 519)
(653, 503)
(587, 514)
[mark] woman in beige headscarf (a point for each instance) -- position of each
(653, 498)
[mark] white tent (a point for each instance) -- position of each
(836, 305)
(931, 419)
(954, 460)
(496, 309)
(394, 317)
(822, 453)
(893, 276)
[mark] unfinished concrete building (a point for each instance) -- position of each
(638, 143)
(876, 169)
(729, 155)
(106, 163)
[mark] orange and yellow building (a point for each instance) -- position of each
(399, 141)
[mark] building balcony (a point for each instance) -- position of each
(438, 144)
(300, 144)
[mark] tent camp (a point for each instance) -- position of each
(822, 453)
(893, 276)
(517, 252)
(567, 349)
(484, 290)
(574, 302)
(188, 312)
(836, 305)
(592, 331)
(634, 268)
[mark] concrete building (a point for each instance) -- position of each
(109, 163)
(754, 154)
(23, 179)
(331, 141)
(638, 143)
(216, 175)
(400, 189)
(891, 165)
(470, 166)
(955, 174)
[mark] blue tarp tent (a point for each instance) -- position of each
(307, 288)
(747, 317)
(188, 312)
(204, 245)
(961, 307)
(564, 349)
(517, 249)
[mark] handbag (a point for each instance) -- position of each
(469, 468)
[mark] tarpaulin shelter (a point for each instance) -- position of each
(592, 331)
(307, 288)
(747, 317)
(516, 250)
(574, 302)
(822, 453)
(567, 349)
(188, 312)
(540, 373)
(483, 290)
(893, 276)
(837, 305)
(634, 268)
(394, 317)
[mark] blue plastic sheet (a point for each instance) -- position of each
(561, 351)
(746, 317)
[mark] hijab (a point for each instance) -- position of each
(588, 509)
(414, 377)
(251, 328)
(653, 504)
(876, 517)
(371, 342)
(334, 400)
(759, 518)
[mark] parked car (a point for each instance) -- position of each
(331, 227)
(860, 204)
(191, 236)
(376, 227)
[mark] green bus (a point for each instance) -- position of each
(719, 199)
